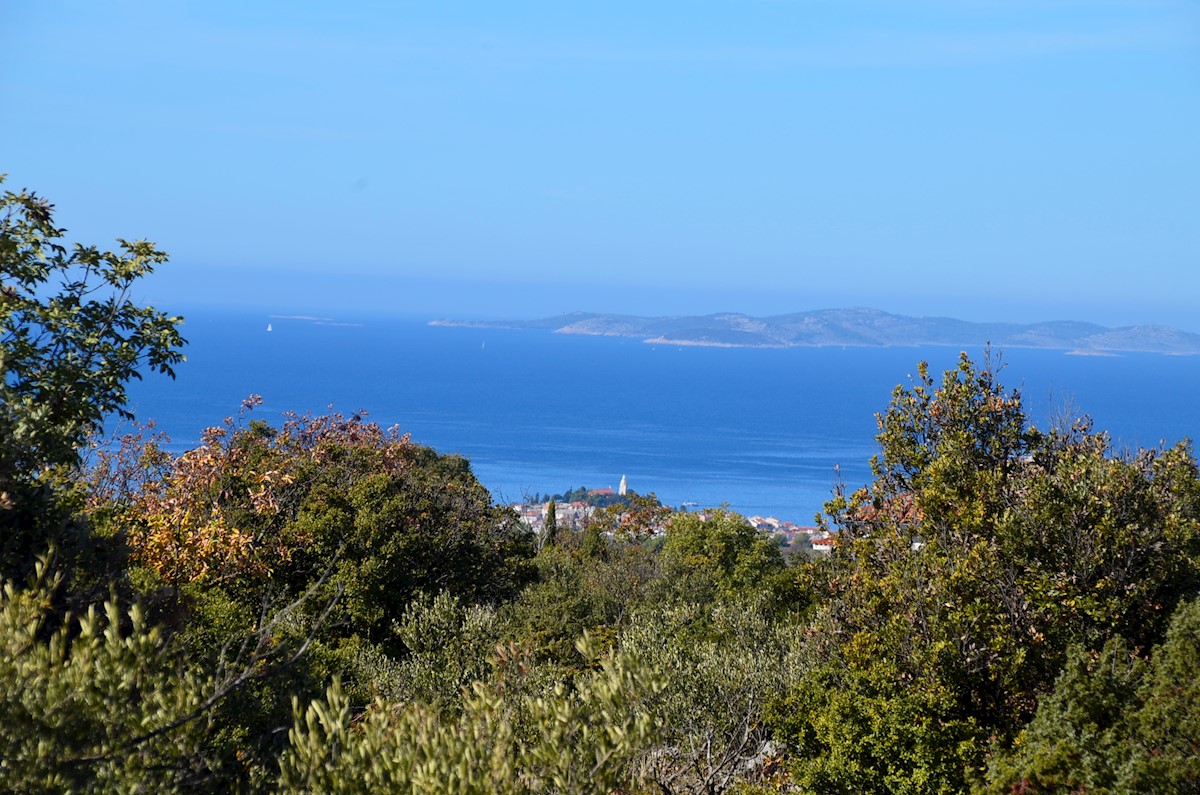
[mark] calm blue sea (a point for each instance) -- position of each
(761, 430)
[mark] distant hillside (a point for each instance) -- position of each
(859, 326)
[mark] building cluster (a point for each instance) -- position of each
(567, 515)
(790, 532)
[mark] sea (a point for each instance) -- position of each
(765, 432)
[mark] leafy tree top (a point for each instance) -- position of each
(71, 335)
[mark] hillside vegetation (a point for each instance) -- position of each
(322, 605)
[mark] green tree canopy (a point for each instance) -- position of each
(95, 703)
(716, 554)
(1115, 724)
(982, 551)
(580, 739)
(71, 339)
(331, 502)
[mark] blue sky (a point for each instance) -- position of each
(987, 160)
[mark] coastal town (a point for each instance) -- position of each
(575, 508)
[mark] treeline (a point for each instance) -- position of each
(593, 497)
(324, 606)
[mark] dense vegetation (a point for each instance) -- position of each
(596, 498)
(325, 606)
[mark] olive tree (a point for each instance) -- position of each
(577, 738)
(94, 702)
(721, 665)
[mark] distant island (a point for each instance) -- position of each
(859, 327)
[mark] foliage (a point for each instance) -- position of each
(1110, 545)
(981, 553)
(716, 554)
(721, 664)
(866, 727)
(589, 581)
(1115, 723)
(1074, 741)
(550, 531)
(67, 356)
(96, 702)
(449, 645)
(577, 739)
(331, 522)
(1164, 731)
(255, 508)
(722, 660)
(71, 338)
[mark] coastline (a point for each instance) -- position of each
(859, 328)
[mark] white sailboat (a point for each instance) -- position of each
(268, 327)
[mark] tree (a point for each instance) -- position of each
(95, 703)
(450, 645)
(864, 725)
(585, 583)
(71, 339)
(351, 520)
(257, 507)
(1115, 722)
(716, 554)
(550, 532)
(1164, 732)
(575, 740)
(981, 553)
(1075, 741)
(721, 665)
